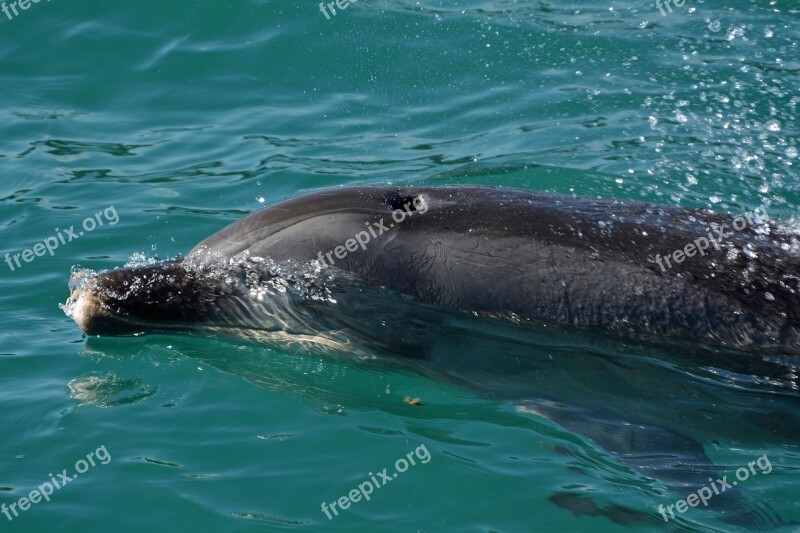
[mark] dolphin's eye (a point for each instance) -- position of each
(407, 202)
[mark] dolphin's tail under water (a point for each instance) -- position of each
(678, 461)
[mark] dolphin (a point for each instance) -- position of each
(365, 270)
(622, 268)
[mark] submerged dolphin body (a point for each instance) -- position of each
(523, 255)
(377, 267)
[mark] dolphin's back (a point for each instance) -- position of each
(568, 260)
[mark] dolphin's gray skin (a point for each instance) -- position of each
(516, 254)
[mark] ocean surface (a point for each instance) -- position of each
(162, 122)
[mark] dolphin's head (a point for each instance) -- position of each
(240, 294)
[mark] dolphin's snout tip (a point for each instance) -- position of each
(82, 305)
(90, 304)
(84, 308)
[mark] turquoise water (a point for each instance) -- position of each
(184, 117)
